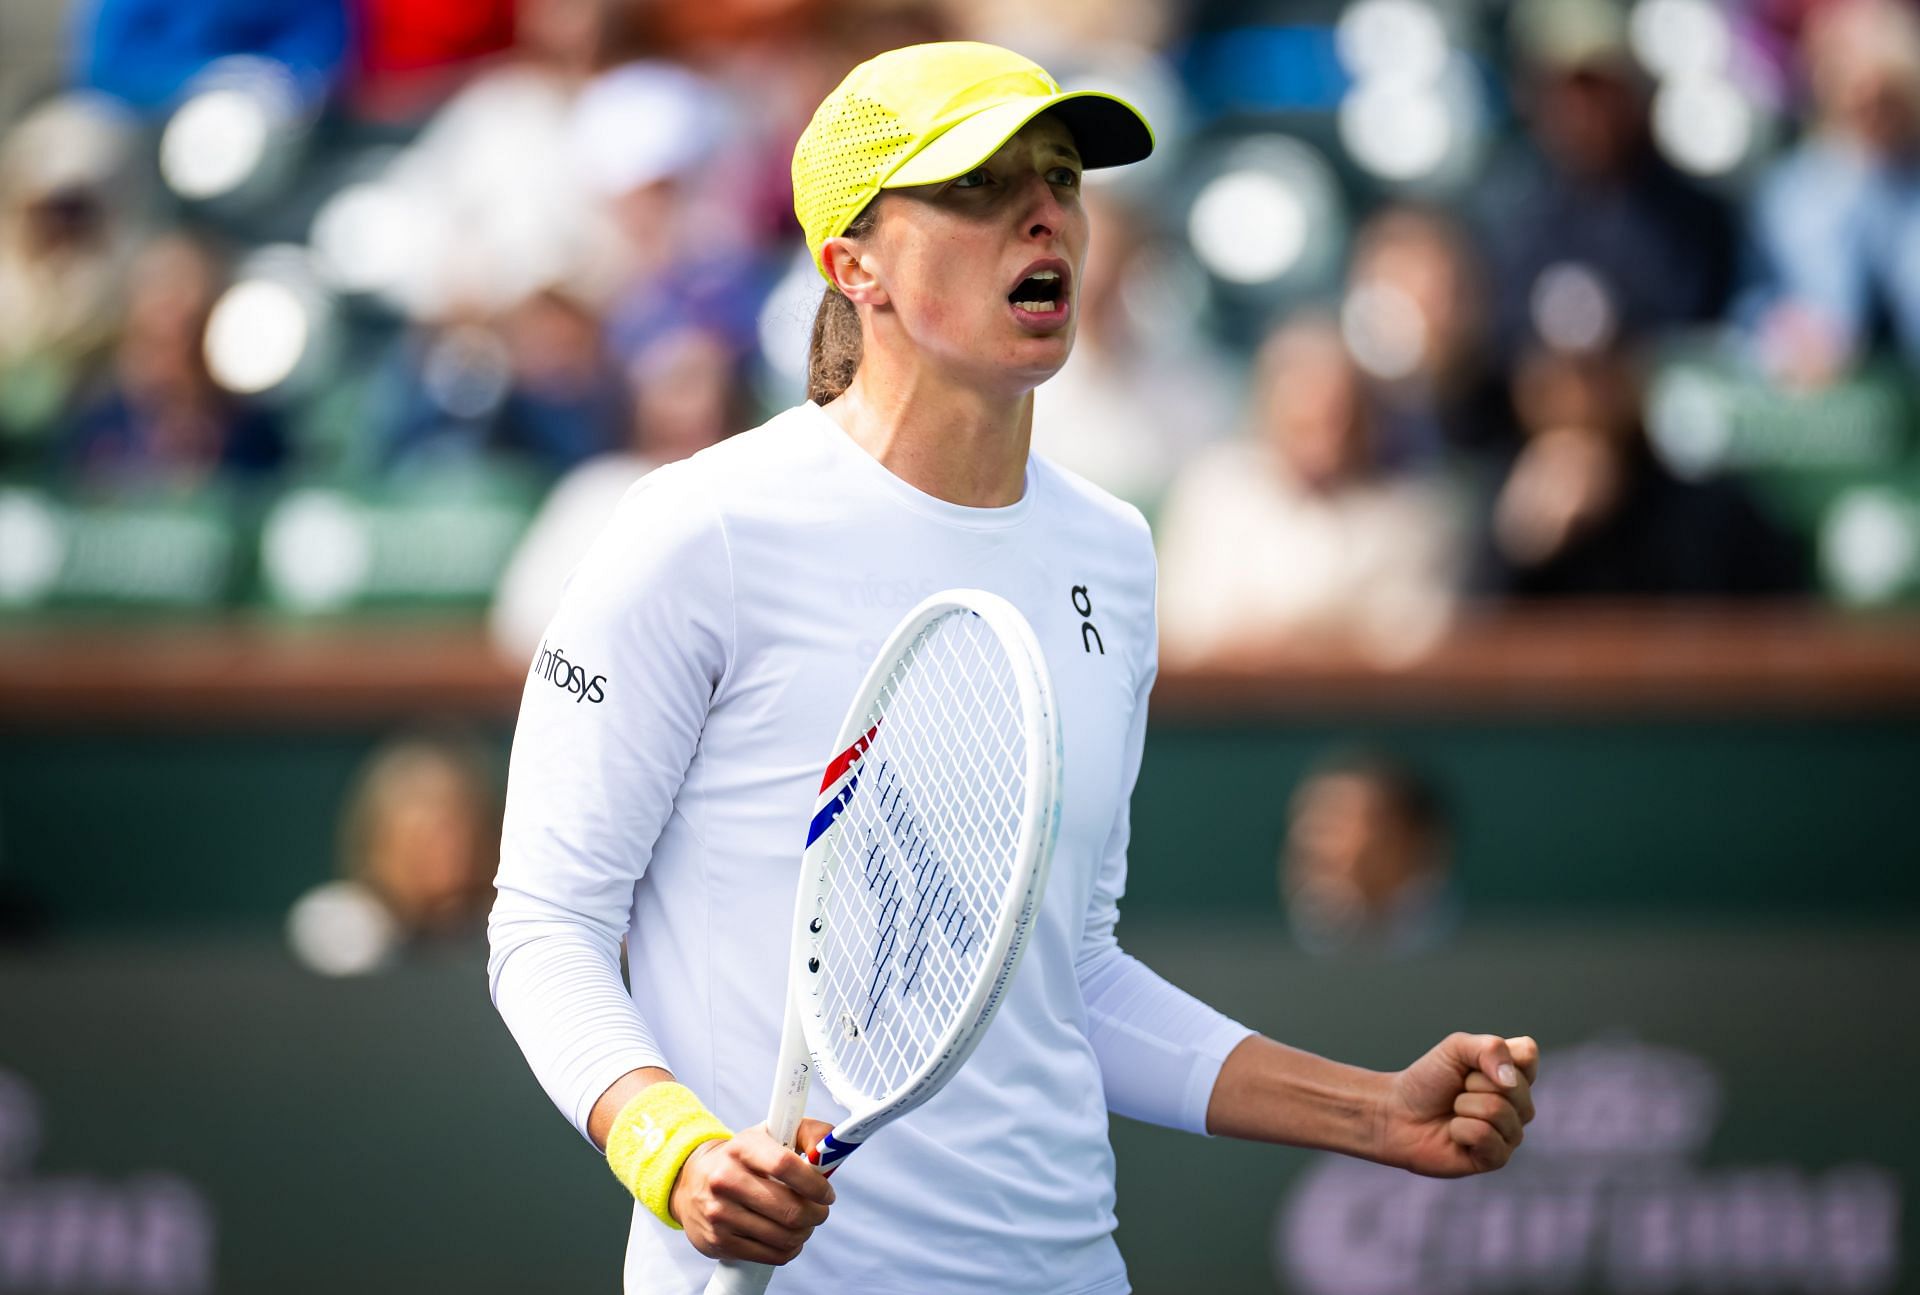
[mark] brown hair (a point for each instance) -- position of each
(833, 354)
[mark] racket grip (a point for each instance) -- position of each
(738, 1277)
(792, 1078)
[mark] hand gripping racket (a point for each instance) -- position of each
(926, 858)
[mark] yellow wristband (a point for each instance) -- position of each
(652, 1137)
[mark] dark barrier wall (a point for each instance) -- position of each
(1707, 815)
(1724, 1108)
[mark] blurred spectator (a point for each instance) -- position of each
(1587, 509)
(1133, 401)
(653, 141)
(535, 388)
(1414, 320)
(418, 846)
(145, 51)
(420, 832)
(1838, 220)
(406, 51)
(66, 235)
(574, 220)
(687, 394)
(1368, 860)
(493, 199)
(1595, 237)
(162, 420)
(776, 76)
(1296, 537)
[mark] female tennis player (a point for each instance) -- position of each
(677, 716)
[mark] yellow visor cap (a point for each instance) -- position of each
(926, 113)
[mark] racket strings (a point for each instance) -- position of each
(924, 855)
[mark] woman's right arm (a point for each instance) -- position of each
(614, 704)
(615, 700)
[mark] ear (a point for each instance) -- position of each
(852, 272)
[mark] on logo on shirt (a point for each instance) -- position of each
(1089, 632)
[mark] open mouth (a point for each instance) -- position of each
(1040, 293)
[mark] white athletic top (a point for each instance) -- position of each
(670, 744)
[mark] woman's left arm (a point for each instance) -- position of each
(1458, 1110)
(1167, 1058)
(1160, 1049)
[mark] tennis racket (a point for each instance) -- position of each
(926, 857)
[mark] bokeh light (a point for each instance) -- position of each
(1573, 309)
(1399, 132)
(1269, 213)
(1704, 123)
(214, 142)
(256, 336)
(272, 327)
(316, 550)
(1680, 38)
(1249, 227)
(238, 121)
(338, 929)
(1392, 40)
(1870, 544)
(1689, 424)
(32, 545)
(1412, 114)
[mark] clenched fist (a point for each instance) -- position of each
(1462, 1108)
(750, 1198)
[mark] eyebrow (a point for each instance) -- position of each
(1066, 151)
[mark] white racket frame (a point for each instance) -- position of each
(806, 1041)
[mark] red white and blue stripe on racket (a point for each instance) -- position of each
(837, 787)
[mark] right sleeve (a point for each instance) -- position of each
(615, 700)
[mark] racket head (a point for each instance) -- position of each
(927, 856)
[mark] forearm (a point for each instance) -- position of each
(1269, 1092)
(615, 1099)
(557, 986)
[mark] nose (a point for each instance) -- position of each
(1043, 212)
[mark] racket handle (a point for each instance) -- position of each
(738, 1277)
(792, 1079)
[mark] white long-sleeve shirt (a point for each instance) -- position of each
(671, 737)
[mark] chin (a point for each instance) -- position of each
(1035, 359)
(1018, 378)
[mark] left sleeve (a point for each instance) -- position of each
(1160, 1049)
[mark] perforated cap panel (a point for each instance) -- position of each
(851, 143)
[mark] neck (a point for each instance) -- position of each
(943, 438)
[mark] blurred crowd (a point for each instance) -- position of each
(1415, 304)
